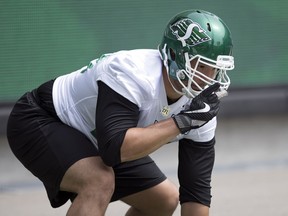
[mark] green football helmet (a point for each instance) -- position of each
(200, 36)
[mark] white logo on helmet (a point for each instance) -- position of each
(189, 32)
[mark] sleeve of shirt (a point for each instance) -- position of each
(125, 75)
(196, 161)
(114, 116)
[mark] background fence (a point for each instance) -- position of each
(42, 39)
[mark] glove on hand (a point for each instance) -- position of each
(202, 109)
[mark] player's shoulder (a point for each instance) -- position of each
(134, 74)
(136, 56)
(134, 53)
(140, 65)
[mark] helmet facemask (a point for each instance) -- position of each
(190, 78)
(194, 81)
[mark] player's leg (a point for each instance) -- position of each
(82, 172)
(160, 200)
(194, 209)
(66, 162)
(94, 184)
(143, 186)
(58, 154)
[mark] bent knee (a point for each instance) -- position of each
(171, 200)
(104, 181)
(164, 201)
(100, 181)
(89, 175)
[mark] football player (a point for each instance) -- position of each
(87, 135)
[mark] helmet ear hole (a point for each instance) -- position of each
(209, 27)
(172, 54)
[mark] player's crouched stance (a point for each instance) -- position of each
(87, 135)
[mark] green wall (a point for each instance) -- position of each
(41, 39)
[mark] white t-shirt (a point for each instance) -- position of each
(134, 74)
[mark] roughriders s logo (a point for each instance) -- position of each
(189, 33)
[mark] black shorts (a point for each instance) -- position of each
(47, 147)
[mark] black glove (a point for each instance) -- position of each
(202, 109)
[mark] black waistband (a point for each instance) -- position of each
(43, 97)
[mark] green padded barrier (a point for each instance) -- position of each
(42, 39)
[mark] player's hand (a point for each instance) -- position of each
(202, 109)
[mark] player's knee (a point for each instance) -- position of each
(167, 204)
(103, 182)
(171, 202)
(98, 186)
(108, 182)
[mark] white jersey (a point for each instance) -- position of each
(137, 76)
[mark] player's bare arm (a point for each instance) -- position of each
(139, 142)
